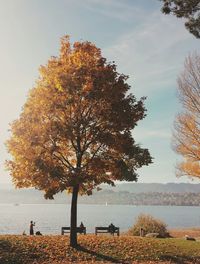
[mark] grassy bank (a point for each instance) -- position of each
(124, 249)
(193, 232)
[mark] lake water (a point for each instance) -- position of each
(50, 218)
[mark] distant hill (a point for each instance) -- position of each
(155, 187)
(125, 193)
(143, 187)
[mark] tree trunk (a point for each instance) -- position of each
(73, 225)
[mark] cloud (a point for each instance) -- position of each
(153, 52)
(118, 10)
(159, 134)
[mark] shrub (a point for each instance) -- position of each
(150, 225)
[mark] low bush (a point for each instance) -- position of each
(149, 224)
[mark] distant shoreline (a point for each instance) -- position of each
(101, 204)
(136, 194)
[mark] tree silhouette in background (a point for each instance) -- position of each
(74, 131)
(188, 9)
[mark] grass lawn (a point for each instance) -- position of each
(193, 232)
(97, 249)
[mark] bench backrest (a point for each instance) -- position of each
(101, 228)
(105, 228)
(78, 229)
(65, 228)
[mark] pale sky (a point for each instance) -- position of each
(145, 44)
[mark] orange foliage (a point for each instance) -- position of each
(187, 124)
(76, 125)
(96, 249)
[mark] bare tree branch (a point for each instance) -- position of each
(186, 138)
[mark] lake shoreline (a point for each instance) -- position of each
(50, 218)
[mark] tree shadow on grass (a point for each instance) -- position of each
(5, 244)
(6, 254)
(180, 259)
(100, 256)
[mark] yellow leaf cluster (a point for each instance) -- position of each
(76, 124)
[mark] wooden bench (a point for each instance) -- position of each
(81, 230)
(101, 229)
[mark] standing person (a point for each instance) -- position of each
(31, 228)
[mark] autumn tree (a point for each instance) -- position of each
(74, 131)
(188, 9)
(186, 139)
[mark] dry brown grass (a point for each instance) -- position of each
(97, 249)
(180, 233)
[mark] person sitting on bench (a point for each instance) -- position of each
(111, 228)
(82, 226)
